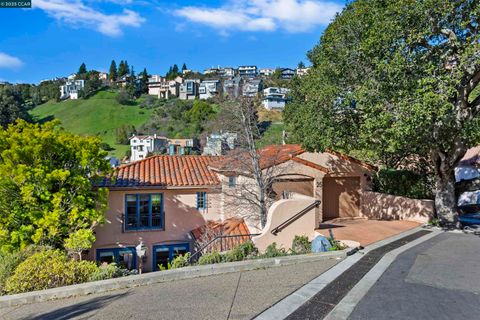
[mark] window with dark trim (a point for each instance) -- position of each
(201, 200)
(144, 211)
(123, 257)
(232, 181)
(163, 254)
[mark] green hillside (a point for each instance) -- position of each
(100, 115)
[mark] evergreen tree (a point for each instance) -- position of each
(132, 72)
(121, 69)
(127, 68)
(301, 65)
(175, 70)
(82, 69)
(144, 81)
(113, 71)
(184, 67)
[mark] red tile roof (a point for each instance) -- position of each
(269, 156)
(166, 171)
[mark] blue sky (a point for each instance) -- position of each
(56, 36)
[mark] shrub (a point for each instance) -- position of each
(181, 261)
(241, 252)
(272, 251)
(109, 271)
(336, 245)
(124, 98)
(301, 245)
(48, 269)
(210, 258)
(10, 261)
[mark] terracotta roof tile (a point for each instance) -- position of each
(269, 156)
(165, 171)
(228, 227)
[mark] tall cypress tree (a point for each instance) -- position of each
(82, 69)
(144, 81)
(127, 68)
(113, 71)
(121, 69)
(184, 67)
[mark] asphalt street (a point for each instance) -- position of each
(229, 296)
(438, 279)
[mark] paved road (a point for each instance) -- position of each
(229, 296)
(438, 279)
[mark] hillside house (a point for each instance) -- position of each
(302, 71)
(162, 88)
(189, 89)
(231, 88)
(266, 72)
(71, 89)
(141, 146)
(287, 73)
(182, 146)
(219, 143)
(209, 89)
(251, 87)
(247, 71)
(275, 98)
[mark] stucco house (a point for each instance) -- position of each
(164, 200)
(158, 200)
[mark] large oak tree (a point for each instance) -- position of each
(396, 81)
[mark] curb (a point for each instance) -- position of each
(289, 304)
(162, 276)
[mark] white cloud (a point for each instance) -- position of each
(77, 13)
(9, 62)
(264, 15)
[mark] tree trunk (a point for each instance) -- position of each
(445, 200)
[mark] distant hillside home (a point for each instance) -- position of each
(287, 73)
(251, 87)
(162, 88)
(209, 89)
(189, 89)
(231, 88)
(274, 98)
(71, 89)
(266, 72)
(181, 146)
(124, 80)
(219, 143)
(247, 71)
(141, 146)
(302, 71)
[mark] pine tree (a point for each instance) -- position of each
(127, 68)
(144, 81)
(82, 69)
(301, 65)
(184, 67)
(175, 70)
(132, 72)
(113, 71)
(121, 69)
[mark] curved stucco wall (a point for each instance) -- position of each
(281, 211)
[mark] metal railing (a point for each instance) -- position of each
(221, 243)
(290, 220)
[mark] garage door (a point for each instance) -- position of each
(300, 186)
(341, 197)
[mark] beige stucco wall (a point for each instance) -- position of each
(181, 216)
(234, 205)
(281, 211)
(384, 206)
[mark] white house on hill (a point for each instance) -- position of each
(71, 89)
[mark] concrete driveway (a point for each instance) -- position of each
(229, 296)
(365, 231)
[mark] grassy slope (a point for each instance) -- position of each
(100, 115)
